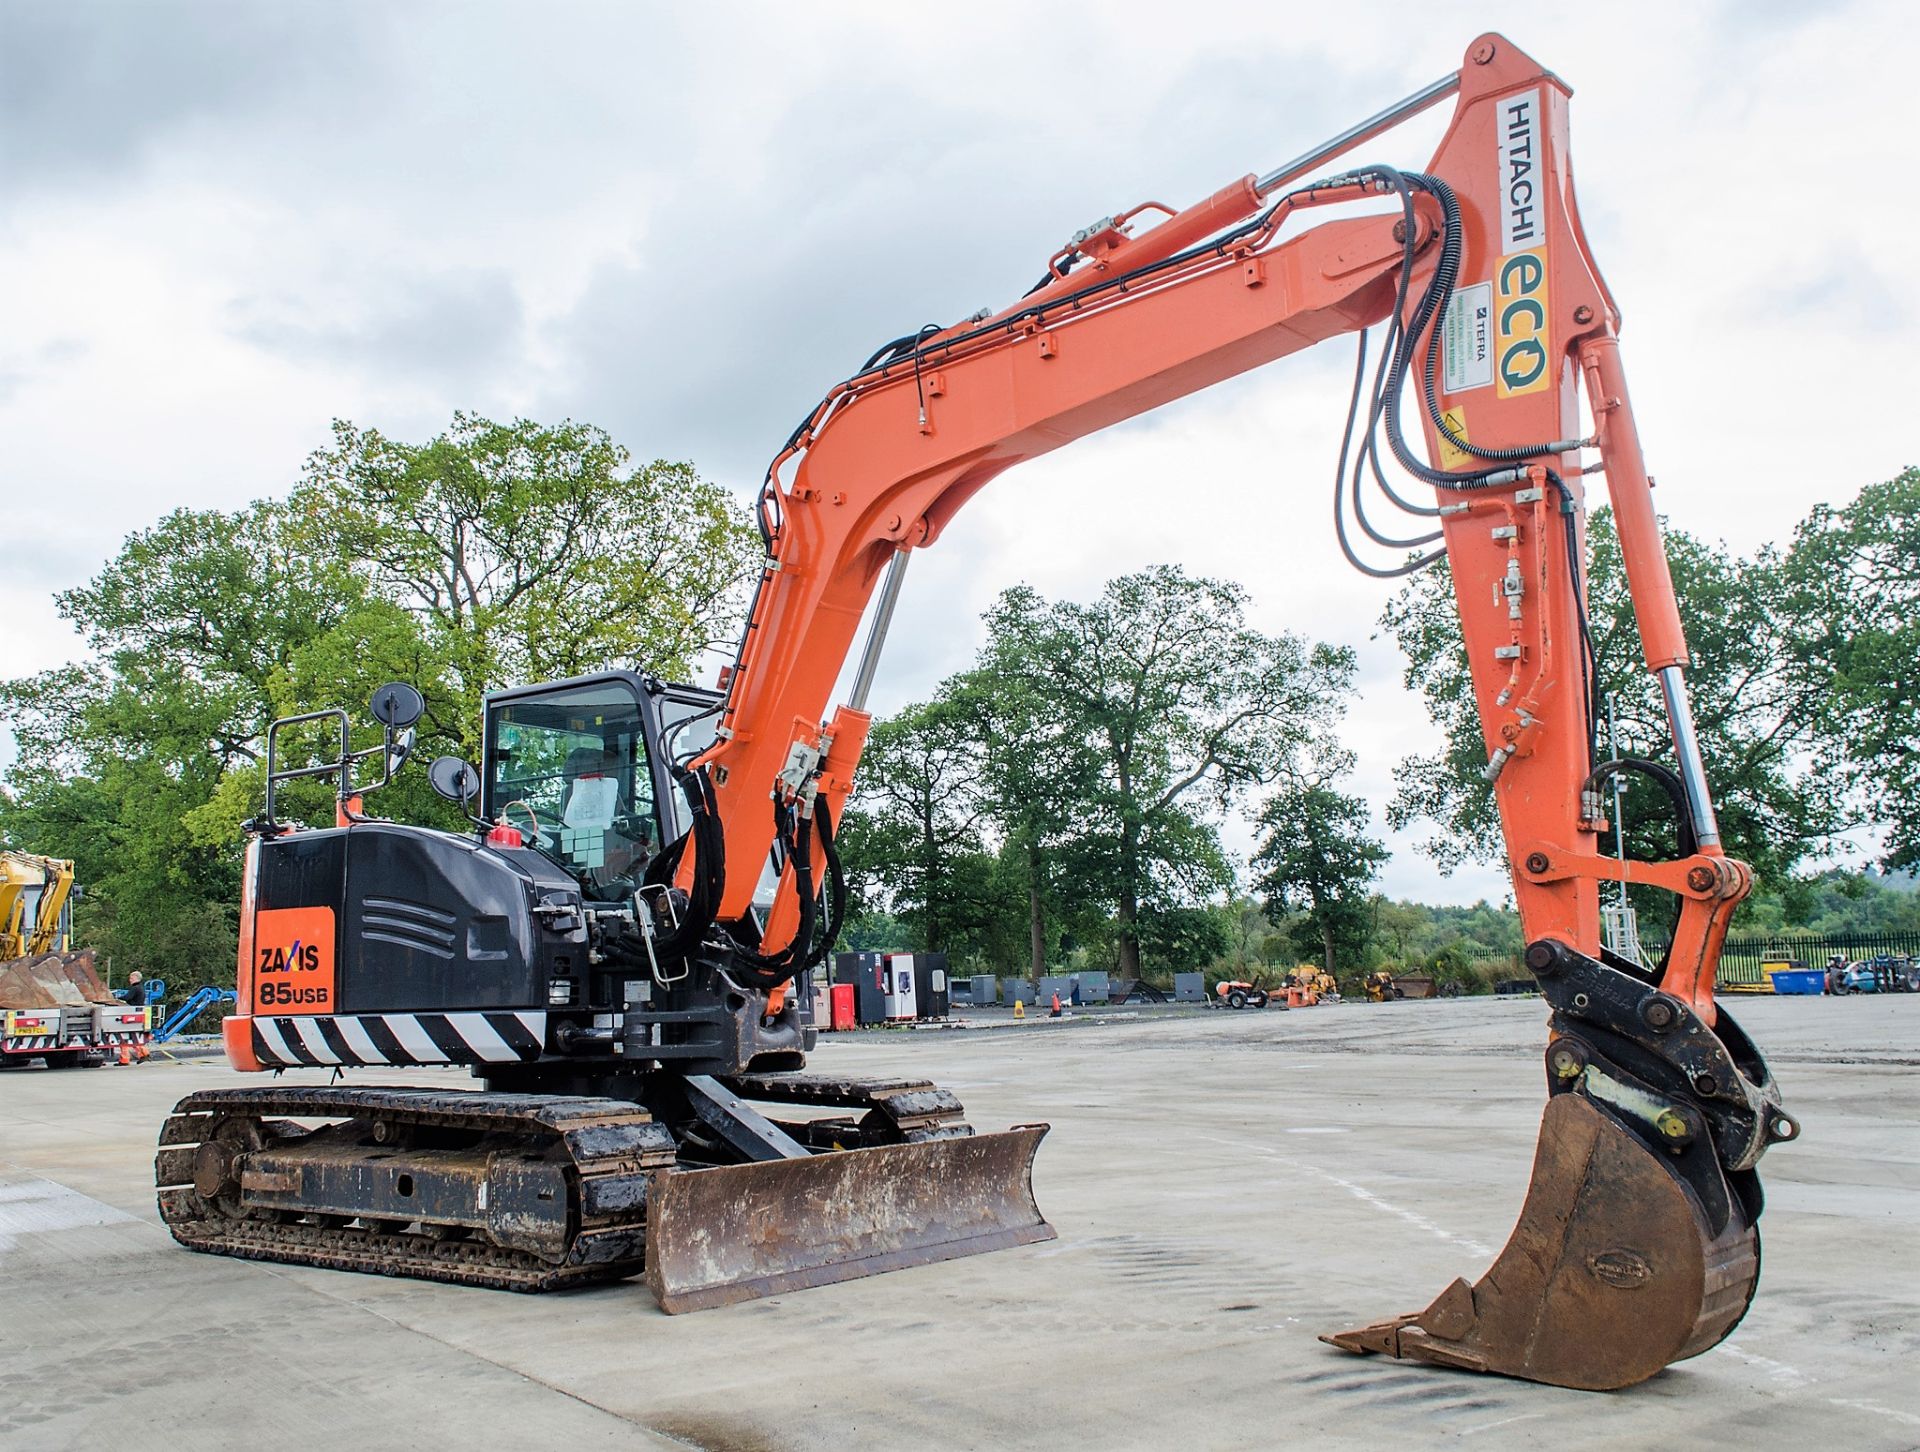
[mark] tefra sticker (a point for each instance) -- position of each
(293, 960)
(1466, 338)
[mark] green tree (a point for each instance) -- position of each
(1318, 859)
(914, 840)
(1036, 768)
(1855, 574)
(531, 551)
(189, 627)
(141, 762)
(1185, 939)
(1184, 705)
(1401, 924)
(1250, 930)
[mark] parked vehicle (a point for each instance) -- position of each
(1238, 993)
(53, 1005)
(1882, 973)
(1837, 967)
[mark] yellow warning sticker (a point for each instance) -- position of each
(1452, 456)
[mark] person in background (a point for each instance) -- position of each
(136, 994)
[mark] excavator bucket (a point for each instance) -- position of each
(734, 1232)
(1614, 1270)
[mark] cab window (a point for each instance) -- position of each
(570, 770)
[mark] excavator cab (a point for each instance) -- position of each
(572, 767)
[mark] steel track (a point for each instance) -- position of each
(612, 1147)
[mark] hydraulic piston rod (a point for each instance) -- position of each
(1686, 750)
(1386, 120)
(877, 633)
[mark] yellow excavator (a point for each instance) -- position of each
(35, 901)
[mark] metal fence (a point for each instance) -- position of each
(1741, 959)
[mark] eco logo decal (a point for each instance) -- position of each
(1520, 323)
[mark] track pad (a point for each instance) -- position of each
(735, 1232)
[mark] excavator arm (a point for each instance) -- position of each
(42, 883)
(1636, 1246)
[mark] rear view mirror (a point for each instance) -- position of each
(402, 748)
(454, 779)
(397, 705)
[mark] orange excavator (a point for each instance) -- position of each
(611, 950)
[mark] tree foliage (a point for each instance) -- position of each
(1066, 789)
(188, 626)
(1855, 576)
(915, 842)
(1317, 860)
(459, 565)
(529, 551)
(1179, 707)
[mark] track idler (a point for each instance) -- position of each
(1637, 1244)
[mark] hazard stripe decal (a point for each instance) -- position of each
(482, 1036)
(307, 1030)
(271, 1047)
(354, 1039)
(518, 1033)
(386, 1048)
(321, 1040)
(414, 1038)
(336, 1040)
(453, 1046)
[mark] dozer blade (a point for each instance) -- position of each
(728, 1234)
(1612, 1273)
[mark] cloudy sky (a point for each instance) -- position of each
(223, 225)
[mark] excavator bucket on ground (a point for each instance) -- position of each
(734, 1232)
(1613, 1271)
(1637, 1245)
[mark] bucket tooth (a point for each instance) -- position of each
(734, 1232)
(1612, 1273)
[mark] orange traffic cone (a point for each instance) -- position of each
(1056, 1007)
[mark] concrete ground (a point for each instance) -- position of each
(1225, 1186)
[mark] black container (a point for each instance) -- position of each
(863, 971)
(932, 997)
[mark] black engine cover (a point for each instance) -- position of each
(429, 921)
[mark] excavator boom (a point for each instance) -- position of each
(1638, 1245)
